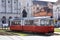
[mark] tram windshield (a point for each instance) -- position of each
(44, 22)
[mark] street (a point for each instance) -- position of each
(41, 38)
(55, 37)
(9, 35)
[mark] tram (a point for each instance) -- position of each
(33, 24)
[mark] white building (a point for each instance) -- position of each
(14, 7)
(58, 2)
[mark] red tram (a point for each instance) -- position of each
(33, 24)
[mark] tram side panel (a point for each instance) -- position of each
(51, 29)
(28, 28)
(16, 27)
(42, 29)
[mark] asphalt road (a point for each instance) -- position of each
(30, 37)
(41, 38)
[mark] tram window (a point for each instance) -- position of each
(29, 22)
(44, 22)
(16, 23)
(36, 22)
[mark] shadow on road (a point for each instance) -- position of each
(32, 34)
(20, 33)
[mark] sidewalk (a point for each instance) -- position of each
(57, 32)
(59, 28)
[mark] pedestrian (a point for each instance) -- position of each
(3, 19)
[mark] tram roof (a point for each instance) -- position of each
(31, 18)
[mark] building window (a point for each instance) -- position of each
(27, 4)
(8, 1)
(14, 2)
(2, 1)
(19, 4)
(37, 8)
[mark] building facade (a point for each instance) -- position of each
(39, 6)
(58, 2)
(14, 7)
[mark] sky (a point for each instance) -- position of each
(49, 0)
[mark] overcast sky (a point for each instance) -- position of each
(49, 0)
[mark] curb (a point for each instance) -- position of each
(57, 32)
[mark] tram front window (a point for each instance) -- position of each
(51, 22)
(44, 22)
